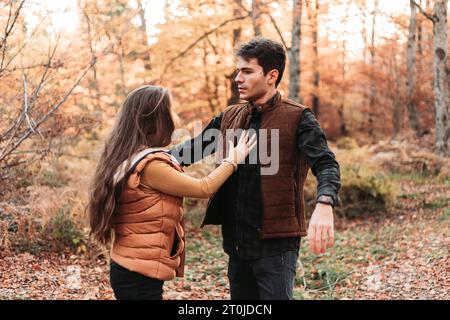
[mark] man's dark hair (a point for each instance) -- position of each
(269, 54)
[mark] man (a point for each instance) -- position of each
(262, 215)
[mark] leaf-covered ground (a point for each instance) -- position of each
(400, 255)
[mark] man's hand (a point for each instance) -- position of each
(321, 229)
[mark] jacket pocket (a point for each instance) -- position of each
(178, 244)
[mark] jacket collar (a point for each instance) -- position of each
(267, 106)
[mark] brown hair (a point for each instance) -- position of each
(269, 54)
(145, 120)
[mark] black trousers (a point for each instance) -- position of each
(129, 285)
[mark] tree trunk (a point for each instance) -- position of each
(413, 118)
(397, 112)
(93, 83)
(256, 17)
(212, 107)
(372, 94)
(419, 38)
(121, 55)
(294, 52)
(313, 11)
(342, 125)
(362, 4)
(212, 80)
(143, 29)
(234, 91)
(441, 78)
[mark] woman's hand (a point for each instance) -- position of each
(244, 146)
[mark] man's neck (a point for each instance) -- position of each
(269, 94)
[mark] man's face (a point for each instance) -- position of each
(251, 81)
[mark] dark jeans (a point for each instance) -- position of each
(267, 278)
(129, 285)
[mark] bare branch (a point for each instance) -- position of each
(31, 122)
(36, 157)
(6, 152)
(212, 45)
(278, 30)
(249, 12)
(430, 17)
(193, 44)
(44, 117)
(10, 165)
(31, 151)
(47, 67)
(25, 101)
(3, 68)
(9, 28)
(13, 126)
(29, 104)
(55, 65)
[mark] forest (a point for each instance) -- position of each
(376, 74)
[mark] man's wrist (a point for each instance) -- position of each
(324, 199)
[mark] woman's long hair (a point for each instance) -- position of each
(145, 120)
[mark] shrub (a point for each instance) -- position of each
(364, 193)
(63, 231)
(24, 234)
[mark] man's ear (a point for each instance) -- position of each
(273, 76)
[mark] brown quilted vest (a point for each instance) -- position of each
(282, 193)
(149, 227)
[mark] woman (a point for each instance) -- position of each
(137, 194)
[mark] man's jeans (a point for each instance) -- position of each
(267, 278)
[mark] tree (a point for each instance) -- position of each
(234, 90)
(38, 77)
(343, 126)
(313, 11)
(441, 77)
(441, 74)
(294, 52)
(256, 17)
(143, 28)
(372, 93)
(413, 118)
(396, 97)
(93, 83)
